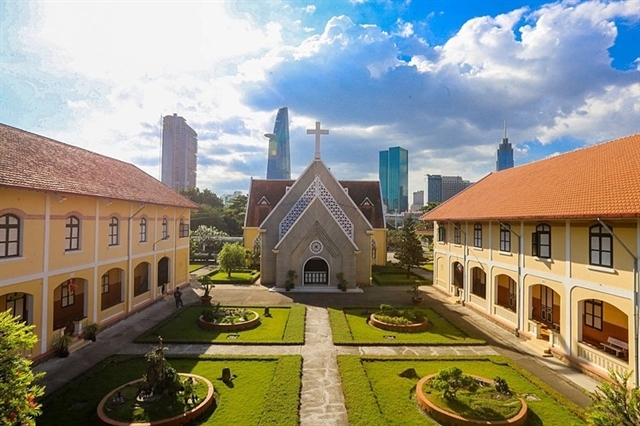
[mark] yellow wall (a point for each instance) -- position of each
(41, 267)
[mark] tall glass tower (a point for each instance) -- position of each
(505, 152)
(394, 179)
(278, 161)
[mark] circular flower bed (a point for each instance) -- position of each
(228, 319)
(125, 394)
(399, 320)
(444, 416)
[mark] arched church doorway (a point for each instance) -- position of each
(316, 272)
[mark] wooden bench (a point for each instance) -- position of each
(615, 345)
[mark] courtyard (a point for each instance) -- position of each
(322, 390)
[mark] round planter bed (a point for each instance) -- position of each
(410, 328)
(181, 419)
(229, 327)
(448, 418)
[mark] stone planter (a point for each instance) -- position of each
(411, 328)
(228, 327)
(181, 419)
(448, 418)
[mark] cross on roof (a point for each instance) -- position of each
(317, 132)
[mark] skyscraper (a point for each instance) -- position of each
(394, 179)
(278, 161)
(179, 153)
(441, 188)
(505, 152)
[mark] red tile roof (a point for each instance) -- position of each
(274, 190)
(34, 162)
(599, 181)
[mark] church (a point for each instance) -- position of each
(316, 228)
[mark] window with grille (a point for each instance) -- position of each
(114, 231)
(67, 295)
(477, 235)
(600, 247)
(593, 314)
(9, 235)
(72, 234)
(457, 238)
(505, 238)
(165, 228)
(143, 230)
(541, 241)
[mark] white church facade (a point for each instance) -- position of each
(316, 228)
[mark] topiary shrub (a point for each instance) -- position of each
(451, 380)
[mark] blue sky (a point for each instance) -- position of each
(437, 77)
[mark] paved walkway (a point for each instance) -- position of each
(322, 401)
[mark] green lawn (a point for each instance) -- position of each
(265, 391)
(349, 327)
(394, 275)
(285, 326)
(376, 395)
(193, 267)
(237, 277)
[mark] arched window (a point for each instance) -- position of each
(165, 228)
(600, 246)
(541, 241)
(72, 234)
(477, 235)
(9, 235)
(143, 230)
(114, 231)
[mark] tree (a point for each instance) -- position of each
(615, 403)
(208, 238)
(232, 256)
(429, 206)
(451, 380)
(18, 388)
(234, 213)
(409, 249)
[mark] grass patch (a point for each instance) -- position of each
(349, 327)
(427, 266)
(248, 276)
(396, 276)
(376, 395)
(265, 389)
(285, 326)
(194, 267)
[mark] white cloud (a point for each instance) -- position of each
(123, 64)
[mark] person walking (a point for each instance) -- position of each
(177, 294)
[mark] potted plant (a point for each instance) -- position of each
(291, 277)
(342, 282)
(90, 331)
(416, 298)
(61, 344)
(207, 285)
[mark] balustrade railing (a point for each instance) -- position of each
(478, 301)
(602, 359)
(505, 313)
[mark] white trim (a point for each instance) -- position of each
(44, 319)
(543, 259)
(602, 269)
(505, 253)
(11, 259)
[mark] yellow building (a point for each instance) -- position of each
(83, 237)
(550, 251)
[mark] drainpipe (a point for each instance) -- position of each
(465, 284)
(636, 301)
(520, 292)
